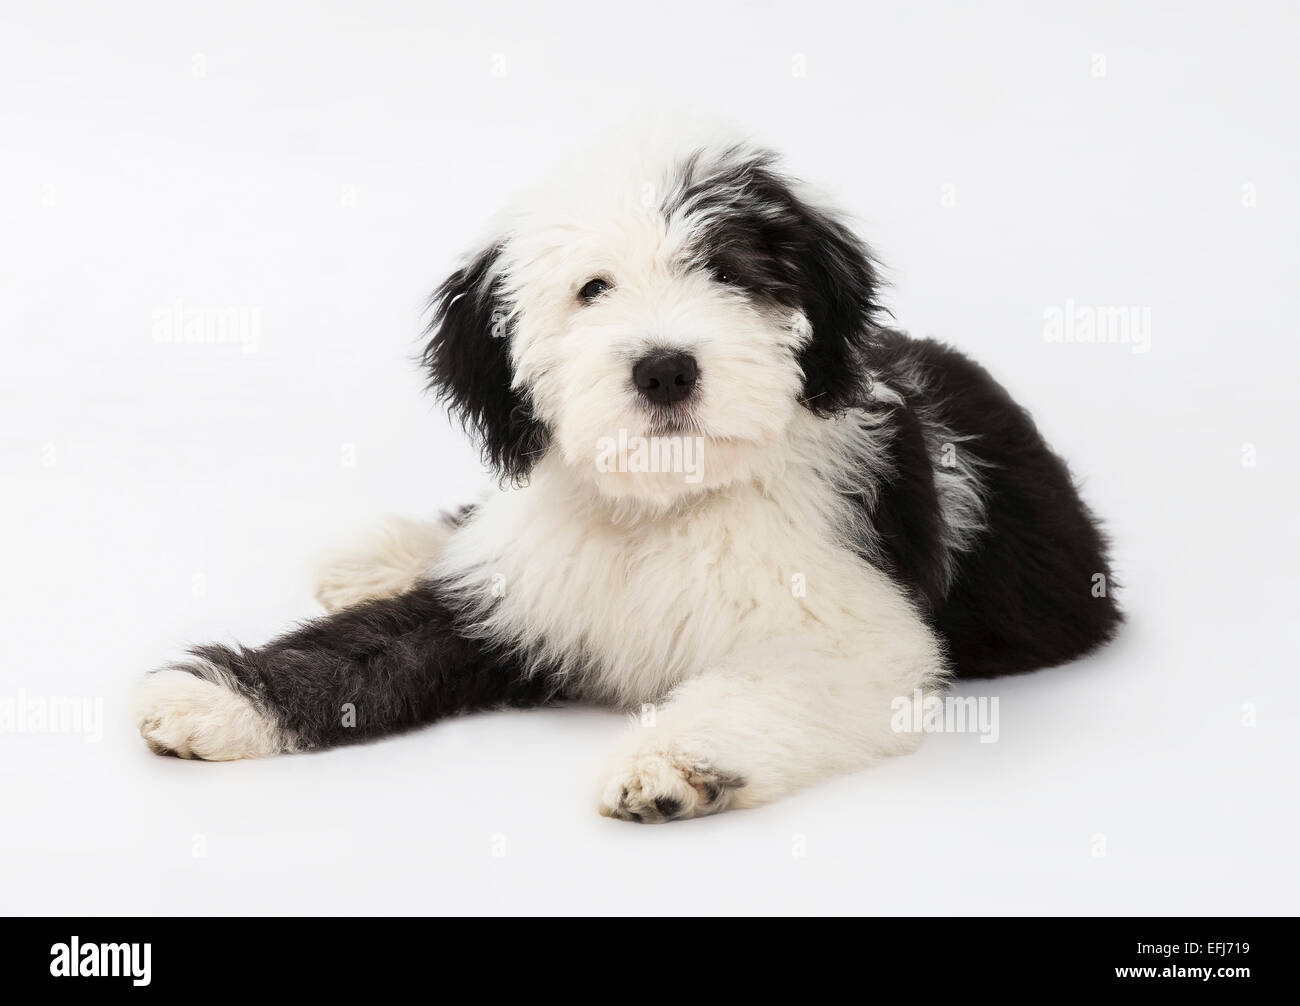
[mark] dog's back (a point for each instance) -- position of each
(996, 545)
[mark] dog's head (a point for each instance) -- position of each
(655, 319)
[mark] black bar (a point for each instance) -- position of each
(301, 955)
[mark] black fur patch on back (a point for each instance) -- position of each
(906, 517)
(1026, 594)
(468, 360)
(778, 248)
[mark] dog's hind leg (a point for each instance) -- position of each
(377, 668)
(388, 561)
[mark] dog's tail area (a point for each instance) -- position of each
(378, 668)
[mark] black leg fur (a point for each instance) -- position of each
(380, 667)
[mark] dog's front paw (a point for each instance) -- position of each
(664, 784)
(183, 711)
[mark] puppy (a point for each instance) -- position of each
(730, 498)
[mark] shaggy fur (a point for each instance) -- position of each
(832, 516)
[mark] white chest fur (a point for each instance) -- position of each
(635, 604)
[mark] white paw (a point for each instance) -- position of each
(386, 564)
(179, 713)
(664, 783)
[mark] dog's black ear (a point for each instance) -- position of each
(777, 244)
(468, 359)
(838, 289)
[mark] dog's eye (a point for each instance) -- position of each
(593, 289)
(722, 274)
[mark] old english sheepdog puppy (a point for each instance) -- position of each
(729, 499)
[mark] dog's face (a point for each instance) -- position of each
(656, 319)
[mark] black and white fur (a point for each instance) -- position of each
(872, 514)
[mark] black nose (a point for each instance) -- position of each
(665, 378)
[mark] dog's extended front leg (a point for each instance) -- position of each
(374, 669)
(771, 720)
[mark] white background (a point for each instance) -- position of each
(326, 163)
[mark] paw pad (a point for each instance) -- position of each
(658, 786)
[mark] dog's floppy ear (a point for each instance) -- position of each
(837, 286)
(468, 359)
(777, 243)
